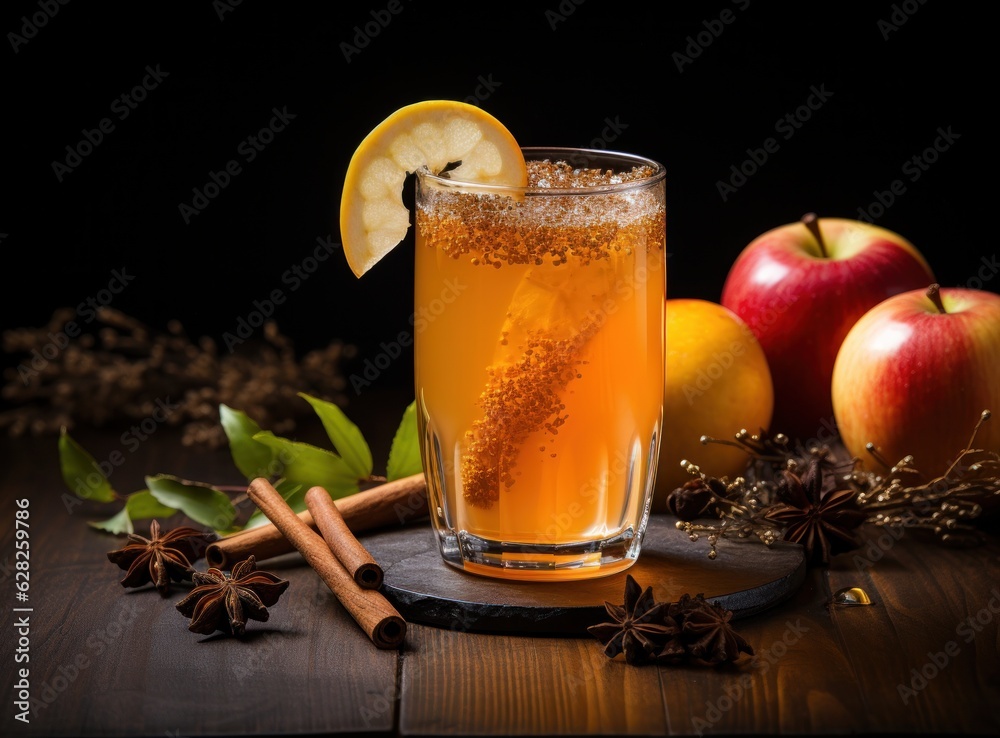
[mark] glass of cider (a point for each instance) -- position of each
(539, 360)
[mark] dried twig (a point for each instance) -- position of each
(768, 503)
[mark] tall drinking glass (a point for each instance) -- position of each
(539, 359)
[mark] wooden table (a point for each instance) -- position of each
(106, 661)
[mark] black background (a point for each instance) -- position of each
(557, 73)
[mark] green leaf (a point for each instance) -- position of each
(200, 502)
(81, 472)
(252, 458)
(117, 524)
(143, 506)
(312, 466)
(346, 437)
(404, 454)
(293, 493)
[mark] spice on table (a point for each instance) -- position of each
(707, 630)
(635, 626)
(221, 602)
(822, 522)
(691, 630)
(370, 609)
(161, 559)
(345, 546)
(397, 502)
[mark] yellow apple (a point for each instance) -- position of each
(717, 382)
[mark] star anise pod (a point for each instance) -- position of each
(225, 602)
(707, 631)
(637, 627)
(822, 521)
(697, 498)
(160, 559)
(669, 633)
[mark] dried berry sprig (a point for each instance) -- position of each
(740, 504)
(116, 368)
(691, 630)
(945, 505)
(810, 497)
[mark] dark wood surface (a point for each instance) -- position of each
(110, 662)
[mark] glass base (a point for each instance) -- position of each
(540, 562)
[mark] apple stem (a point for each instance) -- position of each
(812, 223)
(934, 293)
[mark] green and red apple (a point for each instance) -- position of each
(800, 288)
(914, 375)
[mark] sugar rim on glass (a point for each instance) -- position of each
(570, 155)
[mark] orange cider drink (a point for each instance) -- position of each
(539, 360)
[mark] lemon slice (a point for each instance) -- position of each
(432, 134)
(554, 302)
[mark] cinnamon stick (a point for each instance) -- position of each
(349, 551)
(370, 609)
(393, 503)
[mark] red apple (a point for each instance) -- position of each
(800, 287)
(914, 375)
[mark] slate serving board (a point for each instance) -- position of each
(746, 578)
